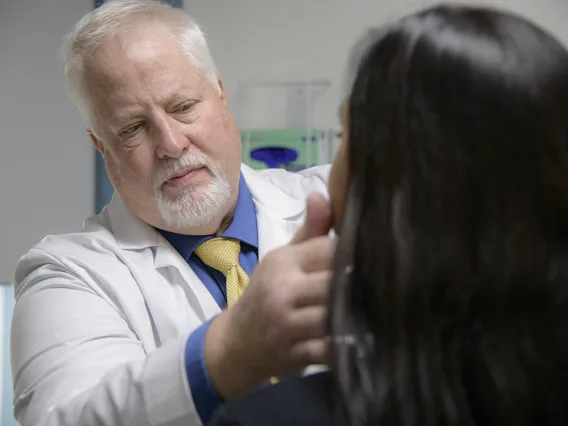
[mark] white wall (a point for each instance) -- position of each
(303, 39)
(46, 161)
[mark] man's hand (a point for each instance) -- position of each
(278, 326)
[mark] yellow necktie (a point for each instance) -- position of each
(222, 254)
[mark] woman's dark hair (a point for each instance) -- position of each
(449, 298)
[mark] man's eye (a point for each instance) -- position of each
(130, 129)
(185, 107)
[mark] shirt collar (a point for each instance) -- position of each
(243, 226)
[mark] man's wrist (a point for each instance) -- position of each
(229, 371)
(204, 394)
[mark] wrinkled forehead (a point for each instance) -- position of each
(119, 76)
(145, 67)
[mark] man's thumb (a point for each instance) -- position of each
(318, 219)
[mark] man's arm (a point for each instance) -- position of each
(76, 361)
(205, 396)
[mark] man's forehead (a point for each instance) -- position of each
(146, 60)
(121, 90)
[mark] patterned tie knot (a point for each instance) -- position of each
(221, 254)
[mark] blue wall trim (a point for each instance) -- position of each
(103, 187)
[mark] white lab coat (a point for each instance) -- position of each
(102, 316)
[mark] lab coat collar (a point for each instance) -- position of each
(270, 200)
(130, 232)
(278, 213)
(265, 193)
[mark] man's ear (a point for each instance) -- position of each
(222, 88)
(98, 144)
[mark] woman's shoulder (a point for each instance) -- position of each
(299, 401)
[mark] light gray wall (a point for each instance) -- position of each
(302, 39)
(46, 160)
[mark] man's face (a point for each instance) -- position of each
(171, 147)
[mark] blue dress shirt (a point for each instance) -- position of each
(242, 228)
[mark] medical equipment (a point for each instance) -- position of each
(278, 125)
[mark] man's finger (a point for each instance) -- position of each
(316, 254)
(314, 290)
(309, 323)
(318, 219)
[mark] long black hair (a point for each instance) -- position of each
(449, 298)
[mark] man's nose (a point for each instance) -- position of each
(169, 139)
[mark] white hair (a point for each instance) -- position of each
(114, 18)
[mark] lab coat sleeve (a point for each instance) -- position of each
(76, 361)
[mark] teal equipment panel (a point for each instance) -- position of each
(308, 151)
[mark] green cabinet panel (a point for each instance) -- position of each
(295, 139)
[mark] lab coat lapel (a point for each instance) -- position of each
(156, 263)
(278, 215)
(273, 231)
(200, 299)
